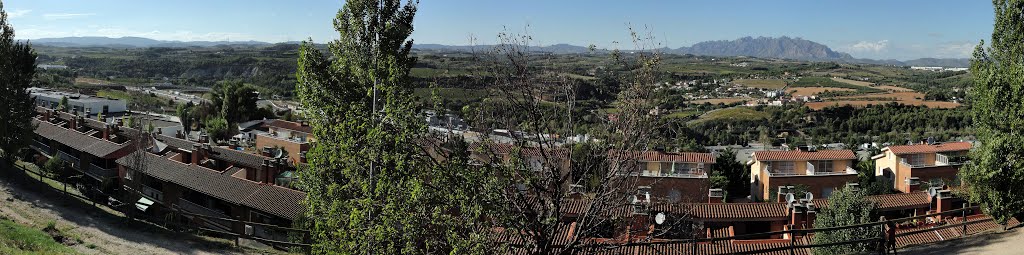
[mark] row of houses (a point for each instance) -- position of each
(160, 174)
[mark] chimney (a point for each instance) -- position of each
(179, 134)
(716, 196)
(48, 114)
(913, 184)
(199, 152)
(106, 132)
(258, 174)
(204, 138)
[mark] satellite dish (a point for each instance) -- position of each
(790, 199)
(809, 196)
(932, 191)
(278, 153)
(659, 218)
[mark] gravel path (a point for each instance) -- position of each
(100, 230)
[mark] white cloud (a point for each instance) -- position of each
(17, 13)
(865, 46)
(56, 16)
(116, 32)
(957, 50)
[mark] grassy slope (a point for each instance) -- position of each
(18, 239)
(734, 113)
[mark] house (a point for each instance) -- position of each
(77, 103)
(906, 166)
(820, 171)
(85, 145)
(291, 139)
(674, 176)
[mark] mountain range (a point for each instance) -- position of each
(761, 47)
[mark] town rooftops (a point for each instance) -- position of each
(928, 148)
(658, 156)
(289, 125)
(77, 140)
(890, 202)
(798, 155)
(739, 211)
(268, 198)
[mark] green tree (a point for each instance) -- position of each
(218, 128)
(17, 69)
(736, 174)
(995, 176)
(236, 100)
(369, 185)
(845, 207)
(63, 105)
(54, 167)
(184, 113)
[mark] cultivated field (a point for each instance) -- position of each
(907, 98)
(810, 91)
(91, 81)
(762, 83)
(853, 82)
(894, 88)
(734, 113)
(719, 100)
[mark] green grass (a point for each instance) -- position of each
(762, 83)
(682, 114)
(18, 239)
(734, 113)
(420, 72)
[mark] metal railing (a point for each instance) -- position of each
(156, 195)
(72, 160)
(100, 172)
(945, 160)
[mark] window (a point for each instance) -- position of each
(826, 192)
(782, 167)
(915, 159)
(822, 166)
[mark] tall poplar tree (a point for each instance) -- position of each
(17, 69)
(370, 185)
(995, 176)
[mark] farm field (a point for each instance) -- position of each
(907, 98)
(863, 103)
(720, 100)
(894, 88)
(852, 82)
(810, 91)
(762, 83)
(91, 81)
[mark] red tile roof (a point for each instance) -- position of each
(739, 211)
(77, 140)
(803, 155)
(687, 157)
(889, 202)
(929, 148)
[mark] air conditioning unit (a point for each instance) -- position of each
(249, 230)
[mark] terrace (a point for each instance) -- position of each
(811, 170)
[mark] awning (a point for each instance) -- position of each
(143, 204)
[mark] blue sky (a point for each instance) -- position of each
(864, 28)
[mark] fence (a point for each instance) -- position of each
(178, 211)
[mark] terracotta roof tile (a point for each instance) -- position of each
(803, 155)
(264, 197)
(77, 140)
(929, 148)
(739, 211)
(687, 157)
(890, 202)
(237, 157)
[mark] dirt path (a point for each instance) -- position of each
(1010, 242)
(97, 230)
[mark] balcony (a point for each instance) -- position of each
(100, 172)
(690, 173)
(71, 160)
(41, 147)
(202, 210)
(948, 160)
(152, 193)
(811, 171)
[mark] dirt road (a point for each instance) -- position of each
(1010, 242)
(94, 230)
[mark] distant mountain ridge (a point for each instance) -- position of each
(762, 47)
(765, 47)
(134, 42)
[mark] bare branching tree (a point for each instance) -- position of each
(553, 182)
